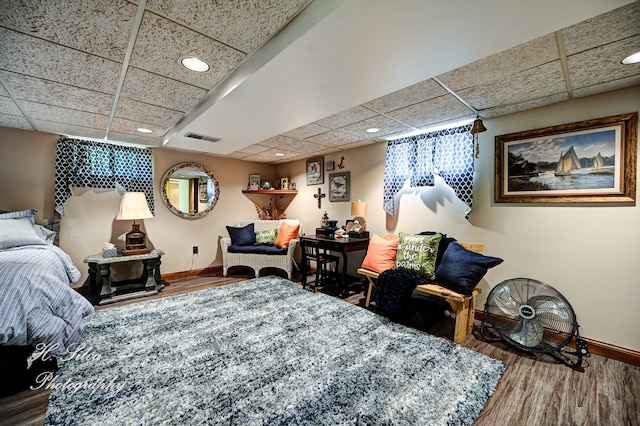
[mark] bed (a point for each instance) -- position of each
(39, 311)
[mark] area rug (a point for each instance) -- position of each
(264, 352)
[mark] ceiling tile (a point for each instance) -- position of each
(39, 58)
(146, 113)
(386, 125)
(9, 107)
(537, 82)
(609, 27)
(283, 142)
(333, 138)
(94, 26)
(253, 149)
(343, 118)
(139, 139)
(416, 93)
(67, 129)
(39, 111)
(607, 87)
(3, 91)
(178, 42)
(502, 65)
(157, 90)
(431, 111)
(524, 106)
(244, 25)
(602, 64)
(15, 122)
(128, 127)
(306, 131)
(43, 91)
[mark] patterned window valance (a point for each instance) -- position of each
(89, 164)
(449, 153)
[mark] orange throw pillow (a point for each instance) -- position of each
(286, 233)
(381, 254)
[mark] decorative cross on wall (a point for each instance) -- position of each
(319, 196)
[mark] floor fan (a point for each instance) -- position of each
(534, 317)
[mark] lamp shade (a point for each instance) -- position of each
(133, 205)
(359, 208)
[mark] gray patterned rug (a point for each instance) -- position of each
(264, 352)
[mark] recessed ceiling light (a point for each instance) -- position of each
(373, 130)
(631, 59)
(143, 130)
(279, 154)
(195, 64)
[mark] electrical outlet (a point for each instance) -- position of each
(195, 249)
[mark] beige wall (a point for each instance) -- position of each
(589, 253)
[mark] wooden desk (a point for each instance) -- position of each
(110, 292)
(340, 245)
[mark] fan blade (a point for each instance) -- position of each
(505, 302)
(529, 335)
(549, 305)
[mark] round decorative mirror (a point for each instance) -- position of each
(189, 190)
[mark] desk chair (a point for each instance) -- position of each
(326, 271)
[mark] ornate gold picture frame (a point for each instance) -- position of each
(585, 162)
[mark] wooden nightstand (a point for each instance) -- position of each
(148, 284)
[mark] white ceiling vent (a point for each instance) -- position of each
(201, 137)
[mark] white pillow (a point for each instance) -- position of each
(18, 232)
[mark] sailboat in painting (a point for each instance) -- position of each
(568, 163)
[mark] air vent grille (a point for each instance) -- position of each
(201, 137)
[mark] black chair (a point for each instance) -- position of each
(326, 265)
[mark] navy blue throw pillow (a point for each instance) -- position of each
(461, 270)
(242, 236)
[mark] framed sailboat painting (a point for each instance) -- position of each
(591, 161)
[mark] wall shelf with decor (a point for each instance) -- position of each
(270, 203)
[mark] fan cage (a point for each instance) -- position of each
(510, 309)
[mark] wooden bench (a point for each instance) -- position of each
(463, 306)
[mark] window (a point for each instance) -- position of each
(448, 153)
(89, 164)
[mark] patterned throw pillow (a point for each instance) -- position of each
(267, 236)
(418, 253)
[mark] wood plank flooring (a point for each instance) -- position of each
(534, 390)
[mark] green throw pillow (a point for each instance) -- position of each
(418, 253)
(266, 237)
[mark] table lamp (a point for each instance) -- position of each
(133, 206)
(359, 211)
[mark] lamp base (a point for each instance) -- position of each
(132, 252)
(135, 242)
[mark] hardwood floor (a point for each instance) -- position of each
(534, 390)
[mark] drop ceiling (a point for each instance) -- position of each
(298, 77)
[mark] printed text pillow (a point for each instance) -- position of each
(418, 253)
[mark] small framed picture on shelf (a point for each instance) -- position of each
(254, 182)
(315, 171)
(339, 186)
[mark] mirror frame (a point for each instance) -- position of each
(165, 196)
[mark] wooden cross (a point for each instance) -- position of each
(319, 196)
